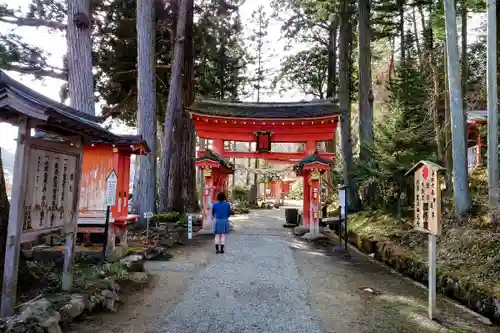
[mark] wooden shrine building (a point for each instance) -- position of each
(266, 123)
(47, 175)
(99, 159)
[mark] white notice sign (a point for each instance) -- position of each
(342, 202)
(148, 215)
(111, 185)
(190, 227)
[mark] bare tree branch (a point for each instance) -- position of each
(38, 72)
(32, 22)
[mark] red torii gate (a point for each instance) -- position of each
(265, 123)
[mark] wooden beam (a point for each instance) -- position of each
(250, 129)
(71, 228)
(14, 229)
(268, 156)
(297, 137)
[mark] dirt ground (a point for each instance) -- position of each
(143, 311)
(335, 289)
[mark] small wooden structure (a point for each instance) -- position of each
(311, 168)
(475, 143)
(99, 158)
(216, 171)
(47, 173)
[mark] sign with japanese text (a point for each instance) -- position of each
(111, 185)
(427, 211)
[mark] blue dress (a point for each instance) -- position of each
(221, 212)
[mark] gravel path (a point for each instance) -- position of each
(269, 281)
(254, 287)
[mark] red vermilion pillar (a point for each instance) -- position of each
(314, 179)
(478, 148)
(218, 146)
(307, 198)
(277, 194)
(208, 192)
(310, 147)
(275, 187)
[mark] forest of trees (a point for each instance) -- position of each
(383, 61)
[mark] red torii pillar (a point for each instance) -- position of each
(275, 187)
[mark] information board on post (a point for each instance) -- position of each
(190, 226)
(111, 186)
(427, 217)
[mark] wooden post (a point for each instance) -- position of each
(70, 232)
(16, 212)
(207, 199)
(306, 205)
(314, 207)
(432, 276)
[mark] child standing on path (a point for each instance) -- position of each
(221, 210)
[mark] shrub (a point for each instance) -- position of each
(170, 217)
(240, 193)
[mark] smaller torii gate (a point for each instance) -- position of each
(216, 171)
(311, 168)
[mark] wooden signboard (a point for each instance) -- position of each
(50, 192)
(427, 209)
(428, 215)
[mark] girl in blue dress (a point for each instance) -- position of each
(221, 210)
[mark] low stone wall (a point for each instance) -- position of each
(475, 298)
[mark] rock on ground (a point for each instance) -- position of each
(42, 311)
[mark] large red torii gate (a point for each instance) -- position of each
(266, 123)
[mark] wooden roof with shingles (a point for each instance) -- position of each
(213, 156)
(296, 110)
(313, 158)
(53, 117)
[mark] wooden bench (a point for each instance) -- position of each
(117, 232)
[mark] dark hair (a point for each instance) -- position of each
(221, 196)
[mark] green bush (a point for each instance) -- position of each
(240, 193)
(170, 217)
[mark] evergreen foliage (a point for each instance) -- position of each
(404, 135)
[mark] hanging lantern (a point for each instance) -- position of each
(263, 141)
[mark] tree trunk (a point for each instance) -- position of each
(173, 110)
(465, 68)
(332, 60)
(79, 42)
(365, 87)
(460, 175)
(187, 174)
(145, 180)
(365, 82)
(345, 40)
(447, 126)
(415, 32)
(401, 4)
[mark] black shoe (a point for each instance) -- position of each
(221, 249)
(217, 248)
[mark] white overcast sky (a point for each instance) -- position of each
(55, 44)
